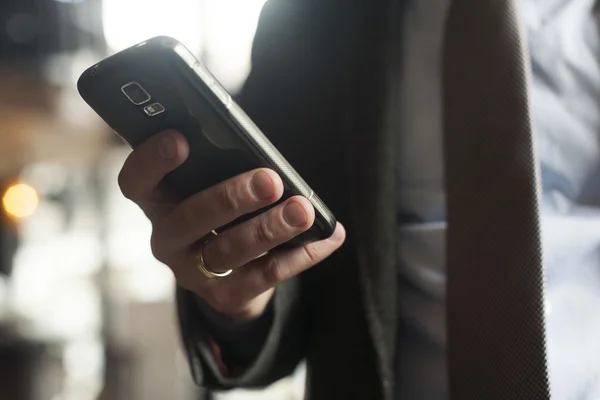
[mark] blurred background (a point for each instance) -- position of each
(85, 310)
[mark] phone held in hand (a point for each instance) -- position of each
(158, 85)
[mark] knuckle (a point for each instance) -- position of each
(312, 255)
(273, 271)
(124, 184)
(227, 198)
(157, 247)
(264, 232)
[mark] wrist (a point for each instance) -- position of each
(240, 339)
(236, 314)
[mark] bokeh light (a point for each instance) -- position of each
(20, 200)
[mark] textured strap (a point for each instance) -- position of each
(496, 339)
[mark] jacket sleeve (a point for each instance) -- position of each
(282, 350)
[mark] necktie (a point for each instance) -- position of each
(496, 339)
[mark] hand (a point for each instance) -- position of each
(178, 226)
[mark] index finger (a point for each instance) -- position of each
(146, 167)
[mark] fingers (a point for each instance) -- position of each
(259, 276)
(267, 272)
(243, 243)
(148, 164)
(217, 206)
(177, 227)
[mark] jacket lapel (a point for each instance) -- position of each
(374, 127)
(332, 89)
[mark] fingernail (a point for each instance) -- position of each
(262, 186)
(294, 214)
(167, 146)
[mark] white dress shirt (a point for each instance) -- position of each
(564, 45)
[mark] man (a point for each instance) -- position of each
(351, 93)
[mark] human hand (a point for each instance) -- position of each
(178, 226)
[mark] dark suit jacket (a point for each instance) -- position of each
(322, 80)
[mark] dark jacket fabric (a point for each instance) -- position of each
(323, 89)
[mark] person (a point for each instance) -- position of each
(365, 308)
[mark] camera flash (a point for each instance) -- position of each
(154, 109)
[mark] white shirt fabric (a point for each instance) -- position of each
(564, 45)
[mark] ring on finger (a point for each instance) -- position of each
(204, 269)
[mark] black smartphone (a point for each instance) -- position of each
(159, 84)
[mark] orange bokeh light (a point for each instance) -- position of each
(20, 200)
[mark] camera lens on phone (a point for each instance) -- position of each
(135, 93)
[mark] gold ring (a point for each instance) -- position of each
(207, 272)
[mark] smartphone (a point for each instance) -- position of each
(159, 84)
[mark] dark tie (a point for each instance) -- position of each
(496, 339)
